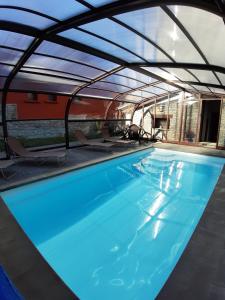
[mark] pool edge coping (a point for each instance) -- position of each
(93, 162)
(26, 264)
(78, 166)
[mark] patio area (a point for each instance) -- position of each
(25, 171)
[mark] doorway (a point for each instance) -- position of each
(209, 122)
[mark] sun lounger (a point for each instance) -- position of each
(116, 139)
(18, 149)
(4, 164)
(137, 133)
(85, 142)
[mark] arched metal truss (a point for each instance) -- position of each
(58, 33)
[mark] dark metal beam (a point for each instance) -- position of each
(31, 120)
(221, 6)
(193, 66)
(84, 48)
(70, 100)
(116, 84)
(41, 92)
(7, 64)
(87, 49)
(53, 76)
(26, 68)
(189, 37)
(21, 28)
(10, 48)
(30, 11)
(122, 6)
(69, 60)
(100, 120)
(180, 80)
(143, 37)
(111, 42)
(150, 74)
(217, 86)
(36, 42)
(92, 15)
(137, 89)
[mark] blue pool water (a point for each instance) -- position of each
(117, 229)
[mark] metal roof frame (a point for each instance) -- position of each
(94, 14)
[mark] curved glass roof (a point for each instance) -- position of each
(128, 51)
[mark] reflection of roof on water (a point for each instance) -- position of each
(154, 163)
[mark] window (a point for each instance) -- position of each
(11, 111)
(32, 97)
(52, 98)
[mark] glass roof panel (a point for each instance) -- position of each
(155, 24)
(97, 3)
(154, 90)
(130, 98)
(124, 81)
(57, 73)
(55, 8)
(68, 53)
(185, 86)
(205, 76)
(181, 74)
(25, 18)
(46, 79)
(35, 82)
(9, 56)
(160, 73)
(218, 91)
(208, 90)
(126, 38)
(2, 82)
(60, 65)
(97, 93)
(166, 87)
(110, 87)
(196, 88)
(12, 39)
(207, 29)
(97, 43)
(136, 75)
(5, 70)
(142, 94)
(221, 77)
(134, 93)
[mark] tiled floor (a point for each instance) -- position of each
(192, 149)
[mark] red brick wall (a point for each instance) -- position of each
(44, 109)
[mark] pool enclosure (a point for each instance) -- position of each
(87, 64)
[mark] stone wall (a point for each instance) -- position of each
(37, 129)
(190, 123)
(175, 115)
(221, 141)
(56, 128)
